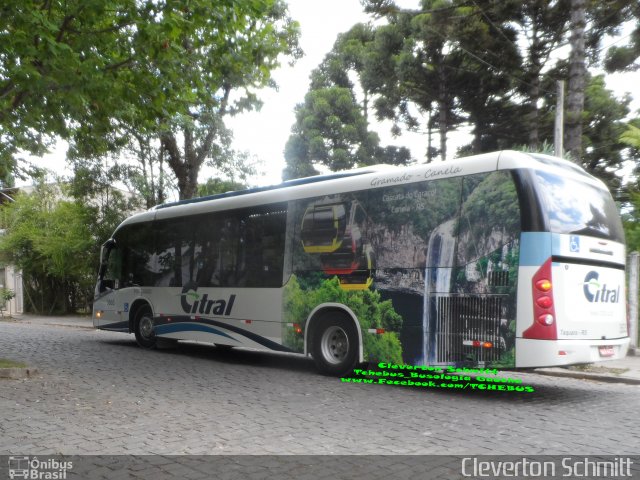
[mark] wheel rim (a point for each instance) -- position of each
(146, 327)
(334, 345)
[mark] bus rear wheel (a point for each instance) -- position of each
(143, 328)
(335, 345)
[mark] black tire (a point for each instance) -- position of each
(143, 328)
(334, 345)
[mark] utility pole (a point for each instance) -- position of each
(558, 131)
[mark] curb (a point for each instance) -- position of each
(52, 323)
(17, 373)
(589, 376)
(69, 325)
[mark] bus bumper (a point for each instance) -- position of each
(554, 353)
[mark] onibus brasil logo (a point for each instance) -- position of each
(596, 292)
(34, 469)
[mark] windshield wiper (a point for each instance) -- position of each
(592, 232)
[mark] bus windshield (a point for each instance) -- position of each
(579, 208)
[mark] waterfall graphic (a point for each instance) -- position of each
(437, 281)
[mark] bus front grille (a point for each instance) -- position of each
(467, 328)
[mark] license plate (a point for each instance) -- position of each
(606, 351)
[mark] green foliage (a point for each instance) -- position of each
(367, 305)
(6, 295)
(214, 186)
(631, 136)
(6, 363)
(331, 126)
(603, 126)
(93, 71)
(631, 223)
(56, 244)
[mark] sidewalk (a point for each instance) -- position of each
(626, 370)
(62, 321)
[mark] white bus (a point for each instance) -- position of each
(506, 259)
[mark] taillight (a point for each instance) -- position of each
(544, 315)
(544, 302)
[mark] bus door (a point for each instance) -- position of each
(105, 307)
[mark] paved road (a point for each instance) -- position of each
(98, 393)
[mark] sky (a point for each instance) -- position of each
(263, 134)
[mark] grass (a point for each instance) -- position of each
(5, 363)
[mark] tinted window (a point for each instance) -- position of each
(261, 249)
(244, 248)
(579, 208)
(135, 243)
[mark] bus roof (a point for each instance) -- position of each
(365, 178)
(285, 184)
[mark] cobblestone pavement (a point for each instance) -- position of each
(98, 393)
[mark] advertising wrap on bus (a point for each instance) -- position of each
(503, 260)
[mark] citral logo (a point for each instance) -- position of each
(202, 304)
(595, 292)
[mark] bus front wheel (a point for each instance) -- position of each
(143, 328)
(335, 345)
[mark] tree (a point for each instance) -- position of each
(439, 61)
(56, 243)
(631, 136)
(542, 27)
(332, 124)
(244, 59)
(484, 92)
(625, 58)
(409, 66)
(214, 186)
(577, 73)
(329, 129)
(604, 124)
(87, 70)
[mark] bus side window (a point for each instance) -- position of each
(166, 264)
(113, 270)
(262, 245)
(213, 252)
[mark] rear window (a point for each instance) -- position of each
(579, 208)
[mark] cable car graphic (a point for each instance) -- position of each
(323, 228)
(347, 258)
(362, 278)
(334, 231)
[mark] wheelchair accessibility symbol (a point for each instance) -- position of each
(574, 244)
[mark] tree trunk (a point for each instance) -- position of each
(577, 74)
(429, 139)
(533, 78)
(443, 113)
(198, 144)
